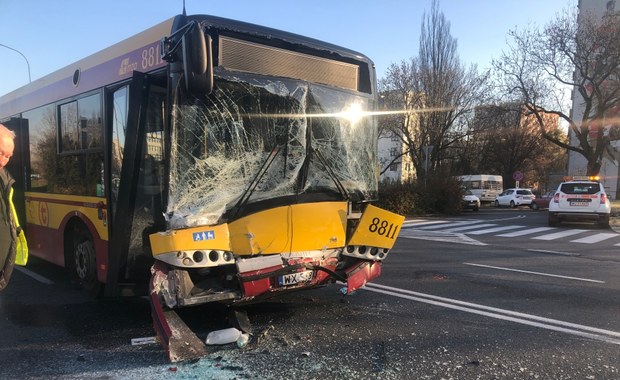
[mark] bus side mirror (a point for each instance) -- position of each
(197, 61)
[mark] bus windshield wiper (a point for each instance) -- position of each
(245, 197)
(330, 172)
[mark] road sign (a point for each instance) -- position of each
(517, 176)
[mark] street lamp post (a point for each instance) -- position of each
(26, 59)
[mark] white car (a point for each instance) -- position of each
(581, 200)
(514, 197)
(470, 201)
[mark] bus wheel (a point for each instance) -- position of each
(84, 261)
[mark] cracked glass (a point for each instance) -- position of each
(256, 139)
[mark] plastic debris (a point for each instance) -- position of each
(243, 340)
(225, 336)
(145, 340)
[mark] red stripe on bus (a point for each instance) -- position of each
(66, 202)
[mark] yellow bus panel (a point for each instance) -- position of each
(377, 228)
(196, 238)
(294, 228)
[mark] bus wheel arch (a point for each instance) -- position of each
(80, 257)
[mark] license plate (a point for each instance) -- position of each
(294, 278)
(579, 203)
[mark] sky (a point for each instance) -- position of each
(53, 34)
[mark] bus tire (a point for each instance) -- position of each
(82, 259)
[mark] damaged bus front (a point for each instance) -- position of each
(271, 172)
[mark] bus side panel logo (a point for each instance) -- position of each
(204, 235)
(43, 213)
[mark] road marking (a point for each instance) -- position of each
(526, 232)
(455, 224)
(35, 276)
(536, 273)
(607, 336)
(595, 238)
(478, 227)
(559, 235)
(509, 218)
(460, 229)
(495, 229)
(446, 237)
(421, 222)
(554, 252)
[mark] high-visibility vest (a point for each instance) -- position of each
(21, 254)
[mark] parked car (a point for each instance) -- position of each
(470, 201)
(542, 202)
(515, 197)
(581, 200)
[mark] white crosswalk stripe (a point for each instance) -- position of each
(559, 235)
(595, 238)
(421, 222)
(455, 224)
(529, 231)
(470, 227)
(495, 229)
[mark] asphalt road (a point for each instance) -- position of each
(452, 302)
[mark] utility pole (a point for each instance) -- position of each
(427, 152)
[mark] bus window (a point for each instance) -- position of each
(79, 165)
(119, 128)
(43, 157)
(80, 124)
(150, 177)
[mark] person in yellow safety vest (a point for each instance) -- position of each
(13, 245)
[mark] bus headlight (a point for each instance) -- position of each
(197, 259)
(365, 252)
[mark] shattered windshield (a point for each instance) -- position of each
(263, 138)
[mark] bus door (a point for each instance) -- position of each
(135, 180)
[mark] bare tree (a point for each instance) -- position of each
(510, 140)
(541, 64)
(434, 93)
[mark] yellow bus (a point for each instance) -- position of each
(203, 160)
